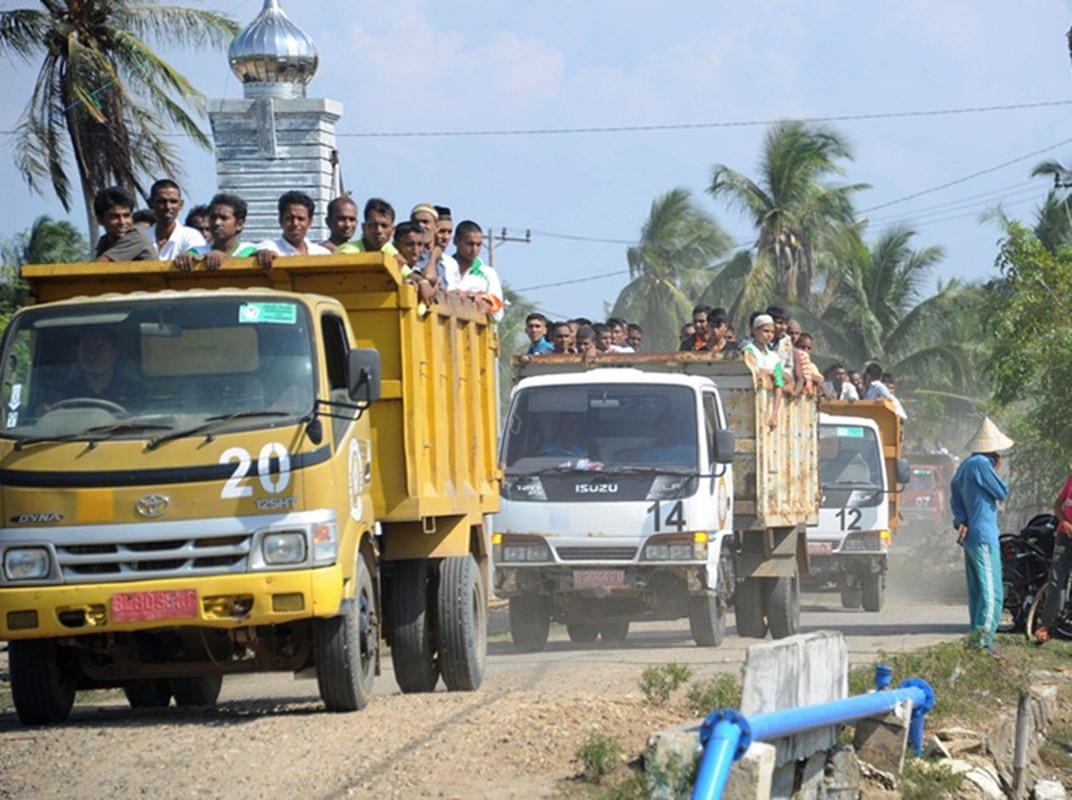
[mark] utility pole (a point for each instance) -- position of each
(503, 236)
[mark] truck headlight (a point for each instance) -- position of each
(677, 547)
(514, 548)
(284, 547)
(27, 563)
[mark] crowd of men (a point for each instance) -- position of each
(213, 232)
(777, 346)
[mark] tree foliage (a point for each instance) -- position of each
(102, 96)
(1031, 365)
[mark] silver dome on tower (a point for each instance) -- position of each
(272, 56)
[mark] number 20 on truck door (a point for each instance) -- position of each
(238, 485)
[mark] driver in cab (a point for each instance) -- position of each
(102, 375)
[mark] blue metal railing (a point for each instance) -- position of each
(726, 734)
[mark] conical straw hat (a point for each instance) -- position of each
(988, 439)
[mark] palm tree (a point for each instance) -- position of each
(794, 211)
(670, 267)
(103, 92)
(47, 241)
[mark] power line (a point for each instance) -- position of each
(585, 279)
(701, 125)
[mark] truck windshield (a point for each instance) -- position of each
(849, 457)
(130, 366)
(605, 426)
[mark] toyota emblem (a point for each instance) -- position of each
(152, 505)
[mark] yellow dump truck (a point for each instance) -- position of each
(650, 487)
(242, 471)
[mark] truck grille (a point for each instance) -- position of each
(596, 553)
(205, 555)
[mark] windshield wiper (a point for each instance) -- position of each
(95, 434)
(212, 423)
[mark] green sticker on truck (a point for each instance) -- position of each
(268, 313)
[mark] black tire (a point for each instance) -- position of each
(707, 619)
(873, 592)
(530, 622)
(614, 631)
(582, 632)
(851, 597)
(462, 624)
(42, 681)
(412, 619)
(748, 609)
(346, 647)
(781, 601)
(201, 690)
(148, 693)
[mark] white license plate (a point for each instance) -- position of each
(598, 578)
(820, 548)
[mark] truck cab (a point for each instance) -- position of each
(616, 505)
(859, 467)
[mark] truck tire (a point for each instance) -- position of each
(148, 693)
(851, 597)
(410, 615)
(873, 591)
(707, 619)
(200, 690)
(782, 604)
(748, 609)
(614, 631)
(530, 622)
(462, 624)
(42, 681)
(582, 632)
(346, 647)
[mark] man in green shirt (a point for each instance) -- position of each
(227, 218)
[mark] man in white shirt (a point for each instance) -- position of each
(475, 278)
(838, 385)
(171, 238)
(295, 218)
(875, 389)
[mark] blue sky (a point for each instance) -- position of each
(411, 66)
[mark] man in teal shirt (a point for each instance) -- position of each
(976, 490)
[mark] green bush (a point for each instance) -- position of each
(928, 780)
(658, 683)
(721, 691)
(599, 755)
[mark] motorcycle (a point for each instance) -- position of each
(1025, 567)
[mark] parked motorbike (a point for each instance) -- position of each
(1025, 566)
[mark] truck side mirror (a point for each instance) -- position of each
(724, 444)
(904, 472)
(363, 374)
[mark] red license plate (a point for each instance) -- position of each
(148, 606)
(598, 578)
(820, 548)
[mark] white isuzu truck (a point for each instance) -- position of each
(650, 487)
(860, 465)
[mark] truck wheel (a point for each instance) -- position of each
(707, 619)
(409, 610)
(748, 609)
(873, 591)
(42, 682)
(582, 632)
(148, 693)
(346, 648)
(851, 597)
(462, 624)
(782, 602)
(614, 631)
(201, 690)
(530, 622)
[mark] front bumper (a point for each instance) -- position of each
(224, 601)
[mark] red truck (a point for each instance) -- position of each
(925, 501)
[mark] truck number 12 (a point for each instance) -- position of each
(675, 519)
(849, 519)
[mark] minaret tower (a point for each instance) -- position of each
(275, 138)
